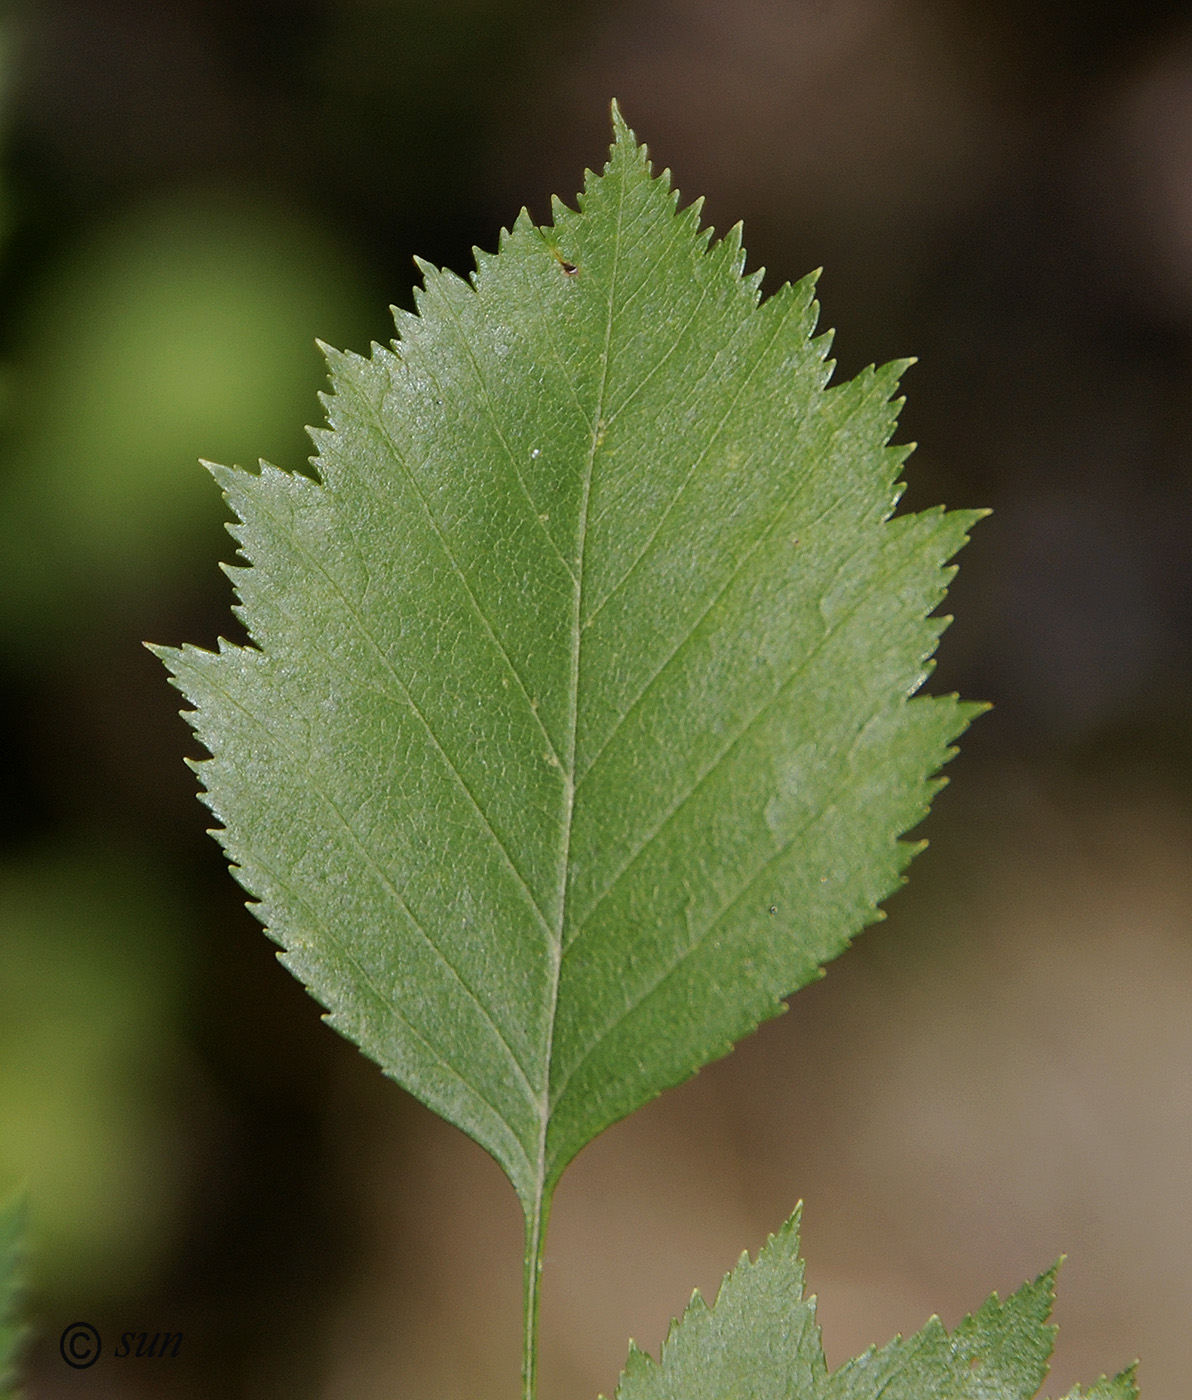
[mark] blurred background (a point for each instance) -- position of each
(192, 191)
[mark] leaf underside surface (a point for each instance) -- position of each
(760, 1341)
(576, 731)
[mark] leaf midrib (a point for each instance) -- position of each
(544, 1111)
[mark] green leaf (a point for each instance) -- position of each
(576, 731)
(760, 1342)
(12, 1332)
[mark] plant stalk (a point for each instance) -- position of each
(536, 1220)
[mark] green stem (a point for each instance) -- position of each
(536, 1220)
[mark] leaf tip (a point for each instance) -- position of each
(428, 272)
(625, 149)
(559, 209)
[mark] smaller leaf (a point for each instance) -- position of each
(12, 1331)
(760, 1341)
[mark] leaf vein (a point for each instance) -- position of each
(690, 476)
(414, 708)
(401, 461)
(697, 622)
(535, 522)
(796, 673)
(380, 873)
(693, 947)
(387, 1005)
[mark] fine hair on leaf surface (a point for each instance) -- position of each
(578, 726)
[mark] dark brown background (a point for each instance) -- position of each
(194, 190)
